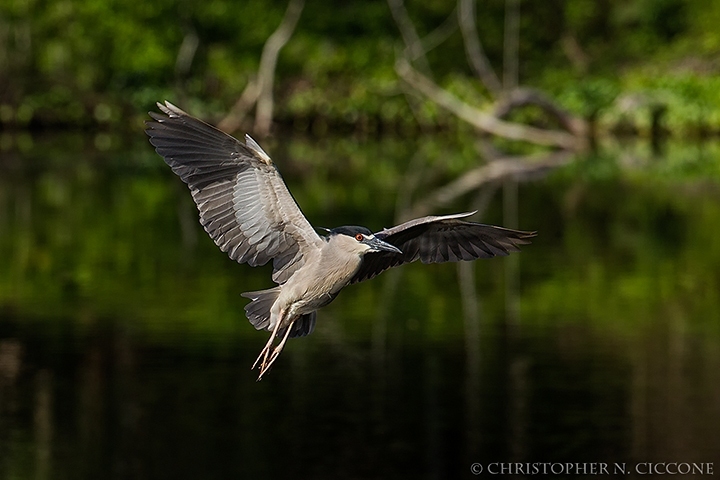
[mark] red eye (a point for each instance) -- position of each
(359, 237)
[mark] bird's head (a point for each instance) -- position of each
(360, 240)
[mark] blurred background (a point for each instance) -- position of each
(124, 349)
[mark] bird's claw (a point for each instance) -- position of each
(269, 354)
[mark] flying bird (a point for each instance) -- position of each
(247, 210)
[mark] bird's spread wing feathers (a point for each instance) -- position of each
(243, 202)
(439, 239)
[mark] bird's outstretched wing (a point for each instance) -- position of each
(243, 202)
(440, 239)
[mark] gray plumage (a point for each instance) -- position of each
(249, 213)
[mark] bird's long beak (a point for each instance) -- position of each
(380, 246)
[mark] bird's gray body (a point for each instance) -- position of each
(248, 211)
(332, 266)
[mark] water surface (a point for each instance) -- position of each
(124, 351)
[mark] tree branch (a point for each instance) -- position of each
(235, 117)
(186, 53)
(511, 61)
(413, 45)
(478, 118)
(440, 34)
(268, 62)
(473, 49)
(520, 97)
(491, 172)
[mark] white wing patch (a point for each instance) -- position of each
(253, 145)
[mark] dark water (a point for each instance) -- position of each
(124, 351)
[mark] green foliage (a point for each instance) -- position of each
(63, 58)
(692, 100)
(590, 96)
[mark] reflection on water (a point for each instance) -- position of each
(124, 351)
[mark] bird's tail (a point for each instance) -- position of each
(258, 312)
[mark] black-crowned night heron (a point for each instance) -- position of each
(250, 214)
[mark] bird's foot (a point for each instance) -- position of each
(264, 354)
(269, 353)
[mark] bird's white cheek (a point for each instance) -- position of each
(363, 248)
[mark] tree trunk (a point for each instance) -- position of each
(259, 91)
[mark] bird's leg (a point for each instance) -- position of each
(278, 349)
(275, 353)
(265, 352)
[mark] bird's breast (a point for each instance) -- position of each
(316, 284)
